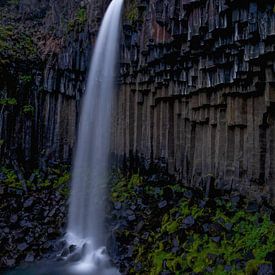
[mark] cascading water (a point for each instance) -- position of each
(90, 171)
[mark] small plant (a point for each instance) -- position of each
(81, 16)
(80, 19)
(13, 2)
(25, 79)
(28, 109)
(131, 13)
(8, 101)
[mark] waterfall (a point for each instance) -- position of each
(90, 168)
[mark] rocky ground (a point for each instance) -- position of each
(157, 226)
(160, 227)
(32, 221)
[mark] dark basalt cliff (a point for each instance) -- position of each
(198, 91)
(45, 53)
(197, 85)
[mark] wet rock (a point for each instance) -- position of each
(9, 262)
(72, 248)
(29, 258)
(65, 252)
(265, 269)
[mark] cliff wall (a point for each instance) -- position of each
(198, 91)
(45, 54)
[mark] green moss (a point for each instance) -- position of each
(79, 19)
(252, 266)
(28, 109)
(13, 2)
(16, 45)
(124, 188)
(25, 79)
(131, 12)
(198, 251)
(8, 101)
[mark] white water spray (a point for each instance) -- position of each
(90, 170)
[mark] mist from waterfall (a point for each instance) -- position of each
(90, 168)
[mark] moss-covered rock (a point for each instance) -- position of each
(188, 234)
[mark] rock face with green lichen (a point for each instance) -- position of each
(161, 227)
(45, 51)
(32, 215)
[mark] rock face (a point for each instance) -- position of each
(44, 69)
(198, 90)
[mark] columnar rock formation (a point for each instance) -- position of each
(198, 90)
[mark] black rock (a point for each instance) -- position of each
(168, 193)
(9, 262)
(216, 239)
(252, 207)
(13, 218)
(188, 222)
(29, 258)
(26, 224)
(205, 227)
(227, 268)
(215, 229)
(131, 217)
(139, 226)
(65, 252)
(72, 248)
(202, 204)
(22, 246)
(28, 203)
(138, 267)
(130, 251)
(162, 204)
(228, 226)
(2, 177)
(265, 269)
(145, 235)
(188, 194)
(117, 205)
(2, 189)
